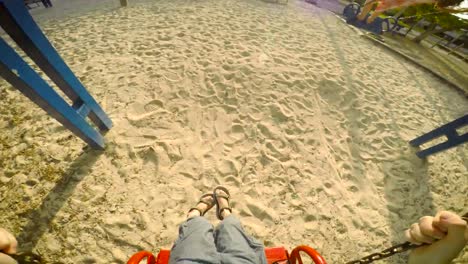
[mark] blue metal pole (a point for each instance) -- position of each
(18, 23)
(17, 72)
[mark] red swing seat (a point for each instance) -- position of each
(275, 255)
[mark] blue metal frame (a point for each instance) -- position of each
(449, 130)
(18, 23)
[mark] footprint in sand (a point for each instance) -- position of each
(278, 113)
(153, 105)
(140, 111)
(150, 160)
(208, 163)
(228, 167)
(266, 130)
(245, 53)
(227, 67)
(237, 132)
(353, 189)
(278, 154)
(331, 92)
(260, 211)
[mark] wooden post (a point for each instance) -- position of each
(123, 3)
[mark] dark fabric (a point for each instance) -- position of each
(46, 3)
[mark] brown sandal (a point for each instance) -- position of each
(210, 205)
(225, 196)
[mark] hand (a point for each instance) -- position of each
(8, 245)
(446, 234)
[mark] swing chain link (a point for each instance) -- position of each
(385, 253)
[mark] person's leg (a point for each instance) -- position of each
(195, 243)
(235, 245)
(49, 3)
(372, 17)
(231, 240)
(365, 9)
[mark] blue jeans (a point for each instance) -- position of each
(199, 242)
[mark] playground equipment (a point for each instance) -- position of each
(275, 255)
(18, 23)
(448, 130)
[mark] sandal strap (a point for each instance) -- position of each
(225, 208)
(225, 196)
(221, 210)
(194, 208)
(207, 203)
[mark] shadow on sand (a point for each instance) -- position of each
(408, 193)
(406, 181)
(41, 218)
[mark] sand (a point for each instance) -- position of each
(304, 120)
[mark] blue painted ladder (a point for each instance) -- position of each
(448, 130)
(18, 23)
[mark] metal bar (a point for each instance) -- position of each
(81, 108)
(455, 49)
(455, 39)
(443, 146)
(412, 26)
(440, 131)
(18, 73)
(438, 42)
(452, 134)
(18, 23)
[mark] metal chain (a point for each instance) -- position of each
(385, 253)
(391, 250)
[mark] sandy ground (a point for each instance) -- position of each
(450, 67)
(304, 120)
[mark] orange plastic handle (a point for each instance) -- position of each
(313, 254)
(136, 258)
